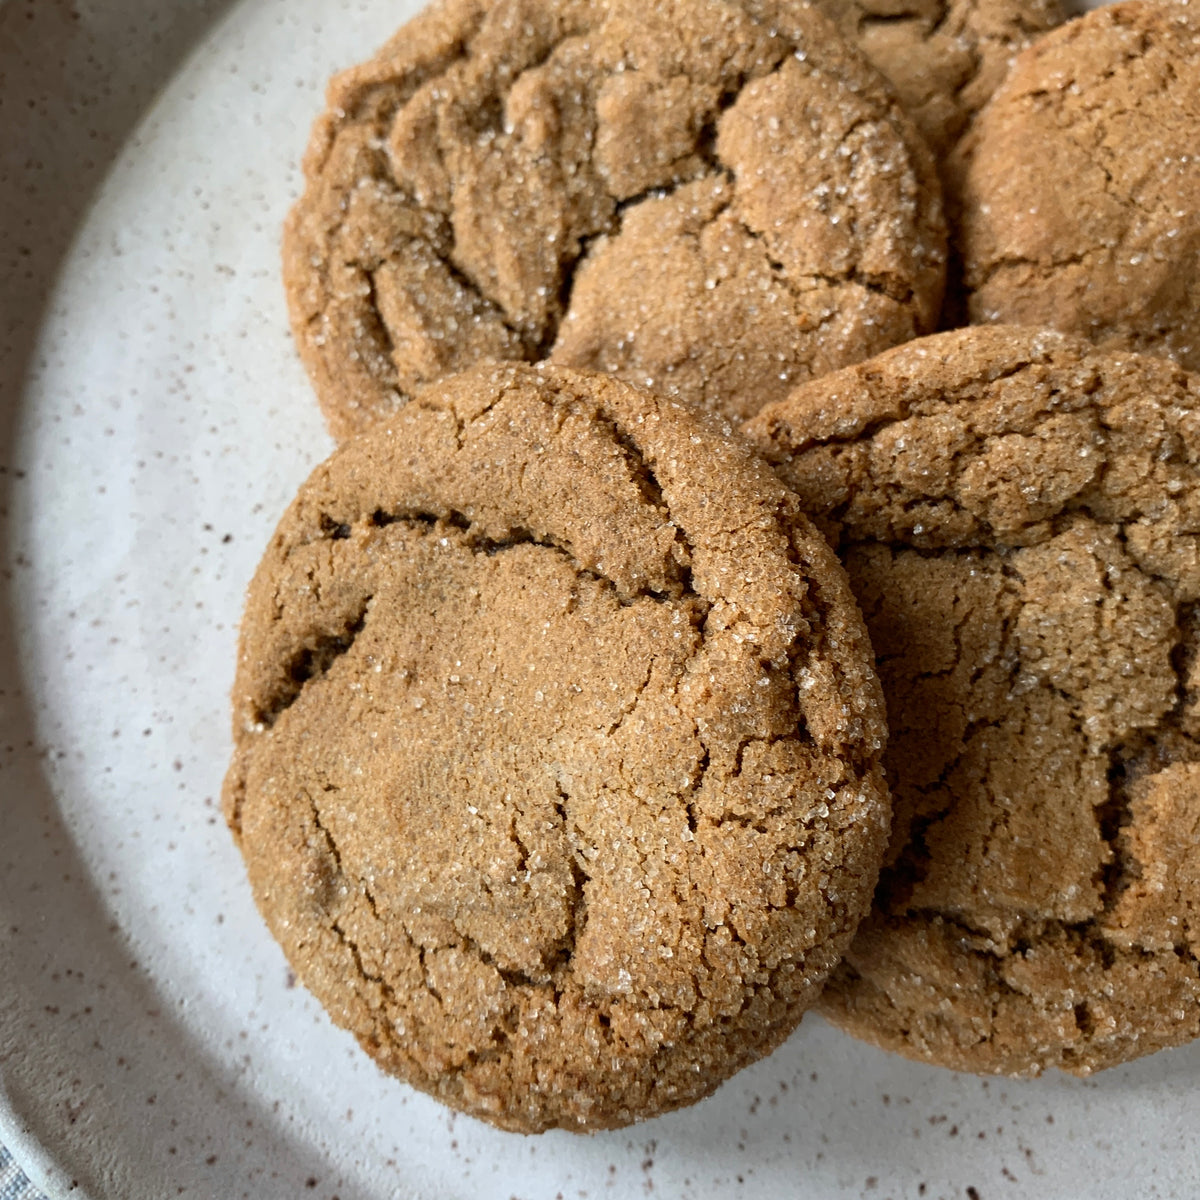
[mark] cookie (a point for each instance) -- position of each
(718, 198)
(1017, 512)
(945, 58)
(557, 768)
(1109, 104)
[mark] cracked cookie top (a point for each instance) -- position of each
(1111, 103)
(945, 58)
(714, 198)
(1017, 512)
(557, 749)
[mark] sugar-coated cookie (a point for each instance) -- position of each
(557, 767)
(716, 199)
(1018, 513)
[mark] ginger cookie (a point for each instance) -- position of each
(1017, 512)
(557, 768)
(945, 58)
(1080, 184)
(718, 198)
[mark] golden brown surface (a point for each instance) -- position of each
(627, 186)
(1080, 184)
(557, 749)
(1018, 512)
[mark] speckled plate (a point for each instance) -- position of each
(155, 422)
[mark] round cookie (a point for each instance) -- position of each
(557, 767)
(1080, 184)
(1017, 512)
(630, 187)
(945, 58)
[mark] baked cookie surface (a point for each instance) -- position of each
(1017, 513)
(720, 198)
(945, 58)
(557, 749)
(1080, 184)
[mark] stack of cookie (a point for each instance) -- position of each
(560, 735)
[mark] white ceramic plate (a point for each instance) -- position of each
(155, 422)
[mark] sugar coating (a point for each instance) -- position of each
(716, 199)
(1018, 512)
(945, 58)
(557, 769)
(1111, 103)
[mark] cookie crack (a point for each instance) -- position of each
(578, 900)
(628, 709)
(859, 747)
(756, 821)
(383, 334)
(311, 661)
(880, 284)
(516, 536)
(702, 766)
(983, 274)
(870, 429)
(557, 962)
(335, 925)
(910, 16)
(356, 955)
(1097, 154)
(968, 932)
